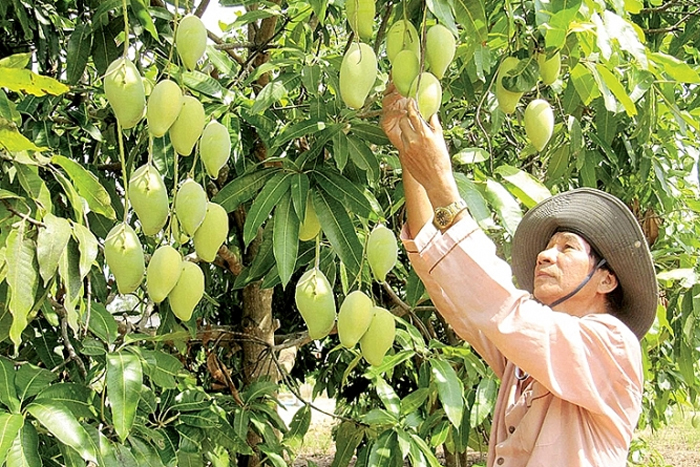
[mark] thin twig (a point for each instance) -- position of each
(25, 217)
(72, 355)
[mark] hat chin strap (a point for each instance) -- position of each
(580, 286)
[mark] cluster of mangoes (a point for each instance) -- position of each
(182, 117)
(358, 70)
(359, 319)
(539, 116)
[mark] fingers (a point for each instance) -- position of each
(435, 123)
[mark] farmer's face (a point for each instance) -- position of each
(561, 267)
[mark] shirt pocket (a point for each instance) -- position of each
(543, 402)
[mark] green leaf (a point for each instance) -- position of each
(30, 380)
(72, 282)
(527, 188)
(344, 191)
(450, 390)
(677, 69)
(34, 185)
(383, 450)
(379, 417)
(297, 130)
(88, 186)
(204, 84)
(189, 459)
(104, 47)
(8, 390)
(162, 368)
(102, 324)
(442, 9)
(285, 238)
(425, 449)
(124, 379)
(13, 141)
(75, 199)
(64, 426)
(484, 402)
(22, 279)
(50, 244)
(140, 9)
(478, 208)
(414, 401)
(617, 89)
(271, 194)
(363, 157)
(388, 397)
(298, 428)
(274, 91)
(88, 246)
(506, 206)
(472, 15)
(191, 400)
(144, 453)
(584, 83)
(76, 397)
(471, 156)
(24, 80)
(10, 425)
(523, 77)
(24, 451)
(20, 60)
(370, 133)
(337, 225)
(8, 111)
(78, 52)
(205, 419)
(242, 189)
(347, 439)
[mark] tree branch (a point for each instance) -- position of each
(72, 355)
(25, 217)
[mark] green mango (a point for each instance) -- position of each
(358, 72)
(188, 291)
(213, 232)
(149, 198)
(163, 272)
(125, 92)
(507, 100)
(382, 252)
(440, 47)
(427, 91)
(360, 15)
(124, 256)
(314, 298)
(190, 206)
(164, 105)
(379, 338)
(191, 40)
(310, 226)
(404, 70)
(188, 126)
(539, 123)
(215, 147)
(354, 318)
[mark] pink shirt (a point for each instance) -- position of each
(581, 403)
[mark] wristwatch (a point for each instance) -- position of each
(445, 216)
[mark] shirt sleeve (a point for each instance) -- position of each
(588, 361)
(457, 318)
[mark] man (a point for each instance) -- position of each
(566, 344)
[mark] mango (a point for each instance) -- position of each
(361, 17)
(164, 105)
(314, 299)
(191, 40)
(539, 123)
(188, 291)
(190, 206)
(149, 198)
(427, 91)
(163, 272)
(379, 338)
(125, 92)
(549, 69)
(402, 35)
(212, 233)
(382, 252)
(358, 71)
(124, 256)
(310, 226)
(440, 47)
(507, 100)
(188, 126)
(177, 232)
(215, 147)
(354, 318)
(404, 70)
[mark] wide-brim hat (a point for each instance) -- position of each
(611, 229)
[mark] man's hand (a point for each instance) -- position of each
(393, 110)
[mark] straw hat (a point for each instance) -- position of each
(611, 229)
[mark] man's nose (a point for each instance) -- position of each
(546, 256)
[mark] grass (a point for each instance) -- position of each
(675, 445)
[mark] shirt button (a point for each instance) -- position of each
(500, 461)
(511, 429)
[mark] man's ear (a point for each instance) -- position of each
(608, 282)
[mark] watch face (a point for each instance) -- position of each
(442, 216)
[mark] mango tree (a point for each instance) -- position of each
(184, 211)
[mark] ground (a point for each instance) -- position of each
(677, 445)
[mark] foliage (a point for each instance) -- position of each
(90, 375)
